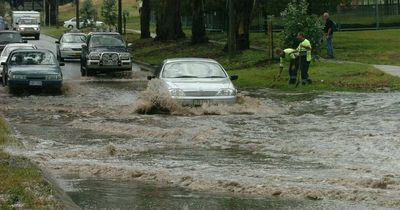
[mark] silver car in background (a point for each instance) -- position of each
(196, 81)
(9, 48)
(70, 46)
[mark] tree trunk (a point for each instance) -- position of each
(198, 27)
(243, 11)
(239, 24)
(145, 20)
(169, 25)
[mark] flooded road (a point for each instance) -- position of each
(274, 150)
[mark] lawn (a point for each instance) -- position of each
(21, 182)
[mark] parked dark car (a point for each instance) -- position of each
(105, 52)
(27, 68)
(8, 37)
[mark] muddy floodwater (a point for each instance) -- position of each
(274, 150)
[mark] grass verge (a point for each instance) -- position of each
(22, 185)
(255, 72)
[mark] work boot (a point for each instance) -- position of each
(292, 81)
(309, 81)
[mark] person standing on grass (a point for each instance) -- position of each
(329, 28)
(290, 56)
(305, 57)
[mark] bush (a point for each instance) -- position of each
(296, 19)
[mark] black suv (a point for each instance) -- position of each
(8, 37)
(104, 52)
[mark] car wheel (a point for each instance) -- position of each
(37, 37)
(70, 27)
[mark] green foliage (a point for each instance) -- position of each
(88, 11)
(109, 12)
(296, 19)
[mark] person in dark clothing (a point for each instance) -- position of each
(329, 28)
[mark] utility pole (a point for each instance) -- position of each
(120, 16)
(77, 14)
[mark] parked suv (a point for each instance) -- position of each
(105, 52)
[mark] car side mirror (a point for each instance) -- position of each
(3, 63)
(57, 42)
(234, 77)
(150, 77)
(62, 64)
(16, 23)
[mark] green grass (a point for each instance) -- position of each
(21, 182)
(327, 76)
(374, 47)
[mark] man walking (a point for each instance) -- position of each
(305, 57)
(329, 28)
(290, 56)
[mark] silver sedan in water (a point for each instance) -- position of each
(196, 81)
(70, 46)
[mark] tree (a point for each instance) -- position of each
(169, 25)
(239, 13)
(198, 27)
(88, 11)
(109, 12)
(296, 19)
(145, 11)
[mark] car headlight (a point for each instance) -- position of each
(54, 77)
(94, 56)
(227, 92)
(21, 29)
(176, 92)
(125, 56)
(18, 76)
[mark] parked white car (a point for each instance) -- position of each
(197, 81)
(71, 23)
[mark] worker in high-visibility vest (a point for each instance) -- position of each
(305, 57)
(290, 56)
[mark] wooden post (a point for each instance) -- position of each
(271, 37)
(120, 16)
(77, 14)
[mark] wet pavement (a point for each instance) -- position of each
(273, 150)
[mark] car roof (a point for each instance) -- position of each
(77, 33)
(171, 60)
(103, 33)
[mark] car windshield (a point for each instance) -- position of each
(106, 41)
(73, 38)
(193, 70)
(10, 38)
(8, 50)
(32, 58)
(27, 21)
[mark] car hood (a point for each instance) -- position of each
(35, 69)
(108, 49)
(208, 84)
(72, 45)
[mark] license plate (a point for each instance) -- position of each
(110, 63)
(35, 83)
(200, 102)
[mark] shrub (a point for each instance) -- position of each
(296, 19)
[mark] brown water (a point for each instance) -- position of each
(273, 148)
